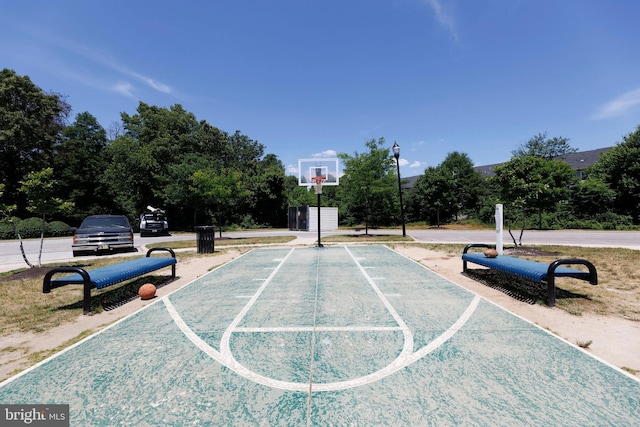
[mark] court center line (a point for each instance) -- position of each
(313, 339)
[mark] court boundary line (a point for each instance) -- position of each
(495, 304)
(114, 324)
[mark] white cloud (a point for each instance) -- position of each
(417, 164)
(124, 88)
(443, 16)
(97, 56)
(292, 169)
(326, 153)
(619, 105)
(403, 162)
(160, 87)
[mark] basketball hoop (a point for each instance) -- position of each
(318, 183)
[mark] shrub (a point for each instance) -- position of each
(6, 231)
(58, 229)
(7, 228)
(30, 228)
(248, 223)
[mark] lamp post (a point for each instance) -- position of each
(396, 154)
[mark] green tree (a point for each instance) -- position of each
(39, 188)
(6, 211)
(532, 184)
(79, 158)
(463, 183)
(430, 196)
(30, 125)
(446, 191)
(297, 195)
(130, 175)
(591, 197)
(162, 149)
(619, 169)
(219, 191)
(368, 188)
(546, 148)
(179, 194)
(266, 190)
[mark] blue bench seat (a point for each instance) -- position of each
(101, 278)
(532, 270)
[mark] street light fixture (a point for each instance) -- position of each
(396, 154)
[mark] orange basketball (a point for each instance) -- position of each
(147, 291)
(490, 253)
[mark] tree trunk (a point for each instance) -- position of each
(24, 255)
(511, 234)
(539, 218)
(42, 230)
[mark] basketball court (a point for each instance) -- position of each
(344, 336)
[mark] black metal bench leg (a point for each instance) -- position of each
(551, 291)
(87, 298)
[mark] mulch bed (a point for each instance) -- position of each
(29, 273)
(528, 251)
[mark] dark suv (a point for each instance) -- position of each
(103, 233)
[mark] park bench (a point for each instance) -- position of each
(101, 278)
(532, 270)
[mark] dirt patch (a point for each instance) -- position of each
(613, 339)
(29, 273)
(528, 251)
(17, 349)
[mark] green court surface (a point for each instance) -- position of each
(334, 336)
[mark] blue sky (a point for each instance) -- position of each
(309, 78)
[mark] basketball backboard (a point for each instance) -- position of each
(309, 168)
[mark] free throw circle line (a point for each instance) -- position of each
(396, 365)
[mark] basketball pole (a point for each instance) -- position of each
(318, 187)
(319, 243)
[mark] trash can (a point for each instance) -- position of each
(205, 237)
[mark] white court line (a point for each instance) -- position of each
(408, 336)
(321, 329)
(407, 356)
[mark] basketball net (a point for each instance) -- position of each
(318, 183)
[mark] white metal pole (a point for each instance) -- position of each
(499, 229)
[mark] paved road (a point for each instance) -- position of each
(616, 239)
(57, 249)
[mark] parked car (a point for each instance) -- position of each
(153, 222)
(99, 233)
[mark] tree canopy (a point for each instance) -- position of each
(31, 122)
(166, 157)
(619, 169)
(546, 148)
(368, 189)
(447, 190)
